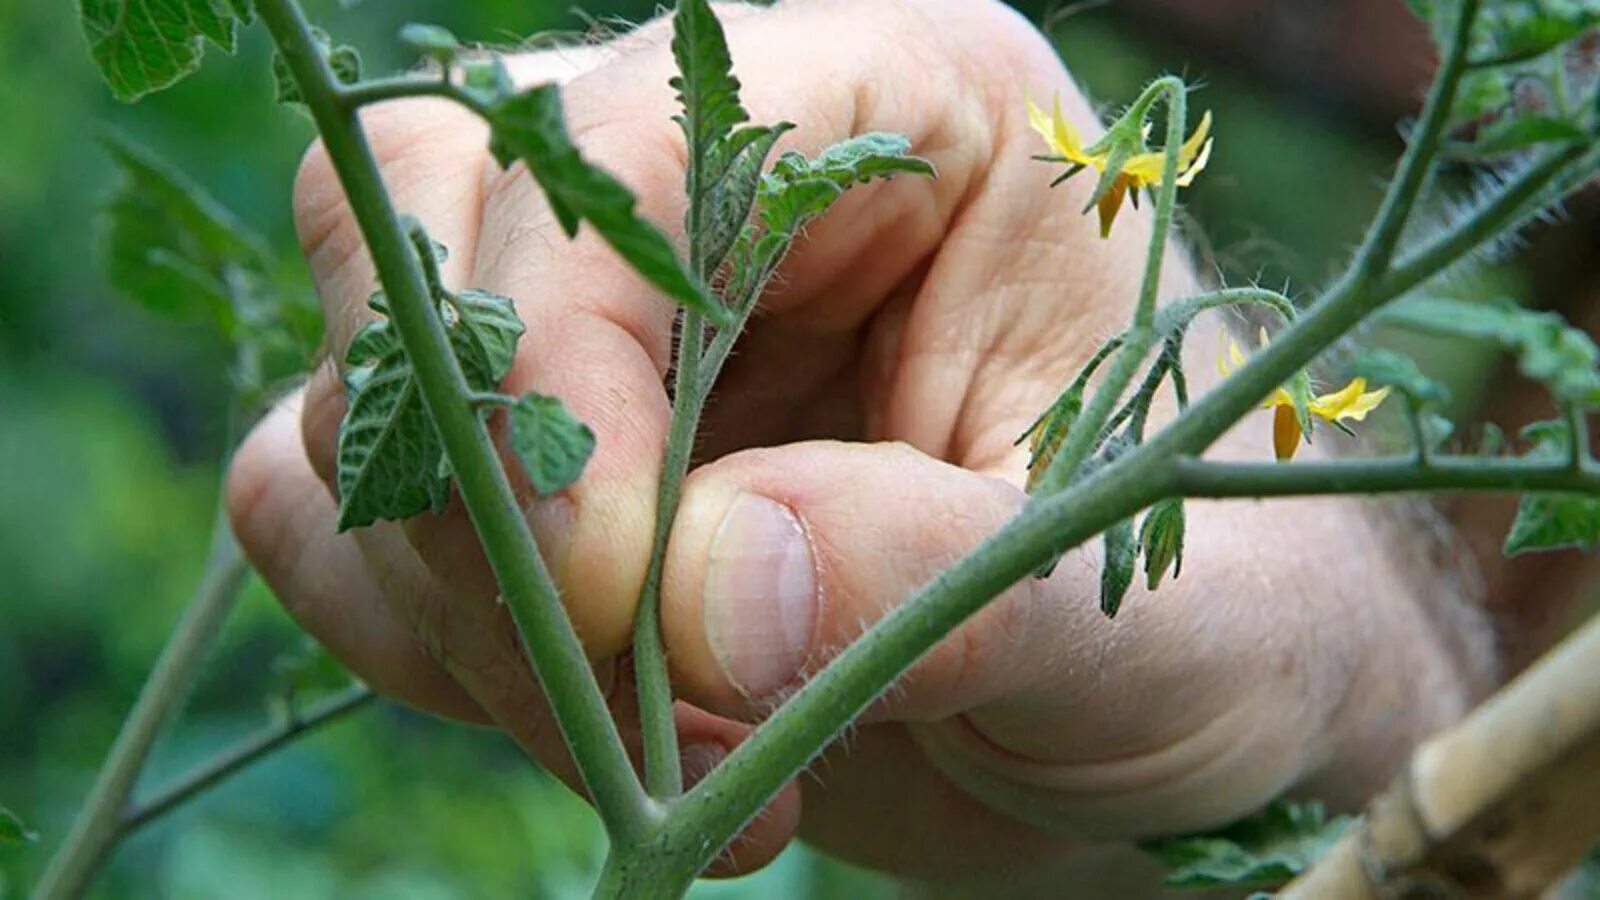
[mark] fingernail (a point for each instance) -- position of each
(760, 601)
(698, 760)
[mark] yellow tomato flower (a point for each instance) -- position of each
(1353, 402)
(1142, 171)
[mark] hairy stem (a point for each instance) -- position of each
(547, 634)
(239, 757)
(1377, 252)
(663, 772)
(98, 826)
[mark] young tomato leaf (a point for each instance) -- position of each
(1553, 521)
(342, 59)
(390, 455)
(553, 445)
(725, 161)
(12, 829)
(797, 190)
(531, 126)
(143, 46)
(1267, 849)
(391, 460)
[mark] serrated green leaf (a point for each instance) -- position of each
(142, 46)
(1518, 32)
(342, 59)
(707, 90)
(531, 127)
(1122, 551)
(391, 460)
(1553, 521)
(553, 445)
(799, 190)
(390, 454)
(1267, 849)
(1547, 348)
(484, 330)
(13, 831)
(733, 192)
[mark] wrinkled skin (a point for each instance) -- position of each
(860, 441)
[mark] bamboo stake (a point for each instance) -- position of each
(1503, 805)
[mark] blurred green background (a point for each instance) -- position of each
(111, 422)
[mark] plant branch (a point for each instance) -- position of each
(379, 90)
(1390, 475)
(663, 771)
(97, 827)
(1377, 252)
(1501, 805)
(551, 644)
(248, 751)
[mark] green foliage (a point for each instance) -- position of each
(1547, 348)
(1553, 521)
(147, 45)
(391, 459)
(553, 445)
(1161, 541)
(1121, 552)
(1264, 850)
(342, 59)
(531, 126)
(432, 41)
(1386, 367)
(13, 831)
(307, 669)
(170, 248)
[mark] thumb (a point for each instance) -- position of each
(780, 557)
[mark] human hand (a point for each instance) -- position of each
(924, 325)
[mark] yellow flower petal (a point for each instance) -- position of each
(1353, 402)
(1286, 433)
(1060, 136)
(1146, 168)
(1111, 203)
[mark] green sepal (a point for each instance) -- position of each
(1122, 552)
(553, 445)
(1161, 541)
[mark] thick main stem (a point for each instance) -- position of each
(98, 826)
(549, 639)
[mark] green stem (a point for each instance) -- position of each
(1178, 314)
(1391, 475)
(659, 733)
(551, 644)
(1177, 94)
(97, 827)
(380, 90)
(248, 751)
(1377, 252)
